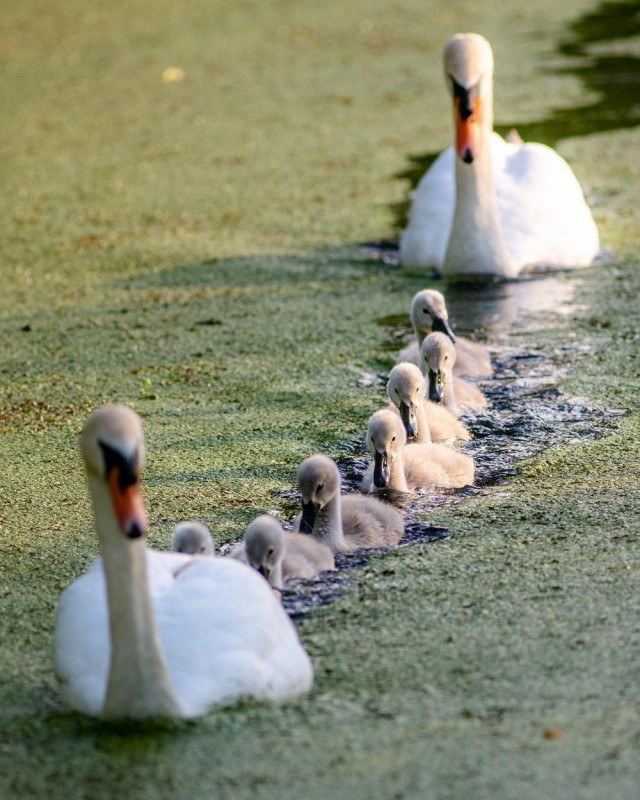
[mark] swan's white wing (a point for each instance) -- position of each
(543, 214)
(424, 241)
(226, 636)
(81, 641)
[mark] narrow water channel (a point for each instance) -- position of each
(527, 414)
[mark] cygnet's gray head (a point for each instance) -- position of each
(264, 545)
(429, 313)
(406, 389)
(437, 356)
(193, 538)
(318, 482)
(385, 437)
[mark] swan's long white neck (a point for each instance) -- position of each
(476, 243)
(139, 684)
(328, 525)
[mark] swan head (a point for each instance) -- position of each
(112, 446)
(193, 538)
(429, 313)
(264, 546)
(386, 436)
(318, 482)
(437, 356)
(468, 68)
(406, 390)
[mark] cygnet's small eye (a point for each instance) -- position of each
(202, 549)
(270, 552)
(319, 488)
(425, 310)
(393, 438)
(417, 389)
(180, 550)
(446, 358)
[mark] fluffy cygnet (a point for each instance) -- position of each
(438, 357)
(429, 314)
(280, 556)
(404, 467)
(193, 538)
(423, 420)
(343, 522)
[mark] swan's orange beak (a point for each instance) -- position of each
(467, 128)
(128, 505)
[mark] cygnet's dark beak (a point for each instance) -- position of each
(409, 420)
(436, 387)
(308, 519)
(442, 326)
(381, 470)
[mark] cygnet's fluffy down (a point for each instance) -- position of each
(343, 522)
(405, 467)
(429, 314)
(193, 538)
(438, 358)
(423, 420)
(280, 556)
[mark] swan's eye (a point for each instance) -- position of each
(202, 549)
(320, 488)
(393, 438)
(417, 389)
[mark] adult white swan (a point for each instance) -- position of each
(488, 206)
(145, 633)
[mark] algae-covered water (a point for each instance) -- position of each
(192, 247)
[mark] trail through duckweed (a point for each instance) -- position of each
(528, 414)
